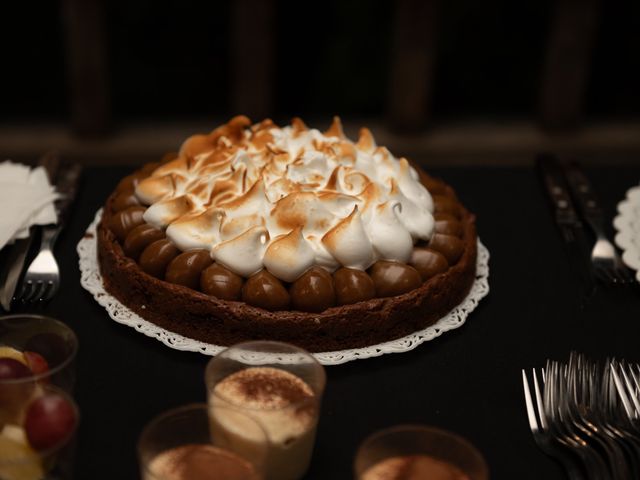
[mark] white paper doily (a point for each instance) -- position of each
(92, 281)
(627, 224)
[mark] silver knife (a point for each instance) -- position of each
(567, 220)
(11, 269)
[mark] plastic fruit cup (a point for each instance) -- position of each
(46, 346)
(39, 442)
(443, 449)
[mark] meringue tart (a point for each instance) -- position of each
(256, 231)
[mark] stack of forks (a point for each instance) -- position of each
(586, 416)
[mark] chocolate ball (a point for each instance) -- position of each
(313, 291)
(123, 222)
(449, 227)
(187, 267)
(435, 187)
(444, 204)
(221, 282)
(353, 286)
(155, 258)
(428, 262)
(265, 291)
(123, 200)
(442, 217)
(139, 238)
(451, 247)
(394, 278)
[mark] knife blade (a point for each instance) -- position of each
(16, 257)
(584, 196)
(567, 220)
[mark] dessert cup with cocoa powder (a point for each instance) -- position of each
(415, 452)
(194, 292)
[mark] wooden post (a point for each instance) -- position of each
(566, 68)
(413, 54)
(252, 57)
(86, 56)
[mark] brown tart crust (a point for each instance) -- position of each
(196, 315)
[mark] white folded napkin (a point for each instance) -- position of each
(26, 199)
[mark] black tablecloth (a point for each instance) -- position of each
(467, 381)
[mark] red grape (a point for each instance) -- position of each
(13, 394)
(11, 369)
(36, 362)
(49, 421)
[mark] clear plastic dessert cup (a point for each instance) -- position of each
(45, 346)
(418, 452)
(280, 386)
(37, 441)
(178, 445)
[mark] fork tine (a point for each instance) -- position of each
(26, 291)
(536, 386)
(531, 414)
(621, 393)
(625, 274)
(36, 292)
(634, 398)
(604, 275)
(50, 291)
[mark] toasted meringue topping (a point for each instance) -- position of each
(286, 199)
(289, 256)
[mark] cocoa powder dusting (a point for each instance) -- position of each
(266, 387)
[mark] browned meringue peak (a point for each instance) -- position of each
(388, 235)
(345, 152)
(232, 227)
(348, 242)
(232, 131)
(195, 145)
(266, 124)
(335, 130)
(235, 128)
(298, 126)
(226, 189)
(253, 201)
(260, 139)
(413, 189)
(153, 189)
(366, 142)
(243, 254)
(333, 183)
(280, 188)
(162, 213)
(302, 209)
(415, 216)
(370, 196)
(355, 182)
(195, 231)
(289, 256)
(340, 204)
(178, 165)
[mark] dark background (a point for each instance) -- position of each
(170, 59)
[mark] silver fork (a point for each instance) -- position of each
(562, 424)
(540, 431)
(606, 263)
(42, 279)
